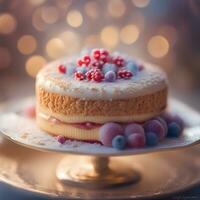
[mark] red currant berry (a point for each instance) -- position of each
(96, 54)
(87, 60)
(79, 76)
(124, 74)
(128, 74)
(104, 53)
(89, 75)
(80, 62)
(119, 61)
(97, 64)
(62, 69)
(97, 75)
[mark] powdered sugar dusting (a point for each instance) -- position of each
(25, 132)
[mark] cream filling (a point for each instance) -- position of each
(68, 130)
(98, 119)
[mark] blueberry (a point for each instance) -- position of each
(82, 69)
(151, 139)
(174, 130)
(132, 67)
(71, 69)
(110, 76)
(119, 142)
(109, 67)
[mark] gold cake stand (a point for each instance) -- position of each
(76, 176)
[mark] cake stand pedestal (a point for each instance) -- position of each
(102, 173)
(95, 172)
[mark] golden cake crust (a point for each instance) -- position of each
(66, 105)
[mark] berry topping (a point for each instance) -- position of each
(30, 111)
(79, 76)
(164, 124)
(140, 67)
(110, 76)
(133, 128)
(108, 131)
(96, 54)
(119, 142)
(119, 67)
(136, 140)
(156, 127)
(119, 61)
(174, 130)
(109, 67)
(80, 62)
(132, 67)
(151, 139)
(89, 75)
(97, 64)
(61, 139)
(86, 60)
(97, 75)
(125, 74)
(62, 69)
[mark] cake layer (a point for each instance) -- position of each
(147, 81)
(68, 106)
(68, 130)
(46, 113)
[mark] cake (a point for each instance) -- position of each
(97, 96)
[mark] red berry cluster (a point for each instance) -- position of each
(94, 64)
(124, 74)
(79, 76)
(84, 61)
(119, 61)
(95, 75)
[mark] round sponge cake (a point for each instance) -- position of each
(75, 106)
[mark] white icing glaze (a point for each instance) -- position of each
(147, 81)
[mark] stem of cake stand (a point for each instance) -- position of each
(96, 172)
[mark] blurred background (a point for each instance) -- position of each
(33, 32)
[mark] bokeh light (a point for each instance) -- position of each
(50, 14)
(116, 8)
(92, 41)
(63, 4)
(37, 21)
(141, 3)
(55, 48)
(36, 2)
(71, 40)
(158, 46)
(169, 32)
(92, 9)
(74, 18)
(110, 36)
(27, 44)
(8, 23)
(5, 57)
(129, 34)
(34, 64)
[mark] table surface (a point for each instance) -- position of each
(9, 89)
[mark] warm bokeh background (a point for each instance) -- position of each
(33, 32)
